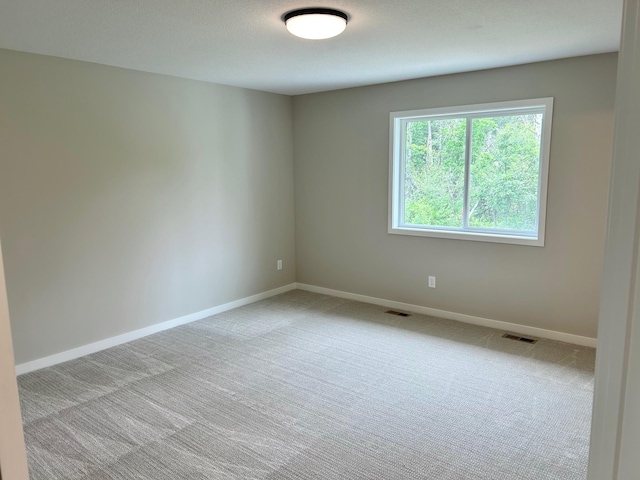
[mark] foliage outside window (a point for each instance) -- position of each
(476, 172)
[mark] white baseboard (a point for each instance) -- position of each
(460, 317)
(143, 332)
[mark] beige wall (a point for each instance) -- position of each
(128, 199)
(341, 151)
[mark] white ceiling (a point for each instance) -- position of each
(244, 42)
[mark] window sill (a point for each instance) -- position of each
(473, 236)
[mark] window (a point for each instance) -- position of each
(475, 172)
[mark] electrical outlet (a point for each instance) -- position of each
(279, 265)
(432, 282)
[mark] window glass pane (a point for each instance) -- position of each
(434, 172)
(504, 172)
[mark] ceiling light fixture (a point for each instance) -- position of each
(316, 23)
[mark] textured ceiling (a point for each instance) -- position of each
(244, 42)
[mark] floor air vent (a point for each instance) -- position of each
(519, 339)
(400, 314)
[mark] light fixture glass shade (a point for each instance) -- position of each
(316, 24)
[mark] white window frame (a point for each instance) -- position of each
(398, 121)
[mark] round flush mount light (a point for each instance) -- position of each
(316, 23)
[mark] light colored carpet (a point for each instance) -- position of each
(305, 386)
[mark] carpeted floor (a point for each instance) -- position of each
(305, 386)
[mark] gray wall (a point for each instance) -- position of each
(341, 151)
(128, 199)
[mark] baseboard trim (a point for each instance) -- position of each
(143, 332)
(460, 317)
(159, 327)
